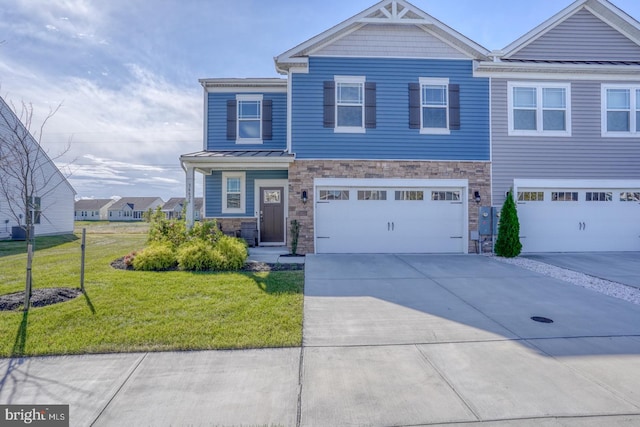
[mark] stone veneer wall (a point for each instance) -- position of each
(227, 225)
(303, 172)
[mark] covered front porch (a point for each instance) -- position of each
(243, 190)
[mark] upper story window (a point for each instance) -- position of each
(249, 119)
(620, 110)
(434, 101)
(539, 109)
(349, 104)
(434, 106)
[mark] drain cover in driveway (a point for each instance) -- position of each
(541, 319)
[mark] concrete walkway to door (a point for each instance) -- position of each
(429, 339)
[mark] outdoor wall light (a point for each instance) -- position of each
(476, 196)
(304, 196)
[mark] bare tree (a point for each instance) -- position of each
(27, 173)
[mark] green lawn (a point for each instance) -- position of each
(127, 311)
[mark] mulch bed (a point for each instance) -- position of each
(250, 266)
(39, 298)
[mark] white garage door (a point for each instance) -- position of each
(390, 219)
(578, 219)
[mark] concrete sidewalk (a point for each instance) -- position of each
(388, 340)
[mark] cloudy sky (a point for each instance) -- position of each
(126, 71)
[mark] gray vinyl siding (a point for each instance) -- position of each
(584, 155)
(581, 37)
(391, 41)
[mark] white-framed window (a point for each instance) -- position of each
(620, 110)
(233, 192)
(35, 209)
(349, 104)
(539, 109)
(434, 105)
(249, 123)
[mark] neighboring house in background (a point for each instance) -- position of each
(93, 209)
(392, 129)
(566, 130)
(133, 208)
(377, 141)
(53, 201)
(174, 207)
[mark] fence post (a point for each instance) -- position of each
(82, 248)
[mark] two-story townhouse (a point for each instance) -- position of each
(377, 141)
(565, 110)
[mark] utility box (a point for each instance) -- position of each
(488, 219)
(18, 233)
(485, 221)
(495, 214)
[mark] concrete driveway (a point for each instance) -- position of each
(422, 340)
(621, 267)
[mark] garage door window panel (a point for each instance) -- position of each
(445, 196)
(564, 196)
(326, 195)
(530, 196)
(630, 196)
(410, 195)
(372, 195)
(599, 196)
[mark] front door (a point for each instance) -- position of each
(272, 214)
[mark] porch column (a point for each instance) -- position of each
(190, 180)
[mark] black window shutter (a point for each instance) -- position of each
(267, 120)
(370, 105)
(329, 104)
(414, 106)
(232, 111)
(454, 107)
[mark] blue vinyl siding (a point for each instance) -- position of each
(391, 139)
(217, 123)
(213, 191)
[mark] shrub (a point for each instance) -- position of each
(234, 252)
(195, 256)
(128, 259)
(206, 230)
(163, 230)
(508, 243)
(295, 234)
(157, 257)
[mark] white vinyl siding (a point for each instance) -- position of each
(539, 109)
